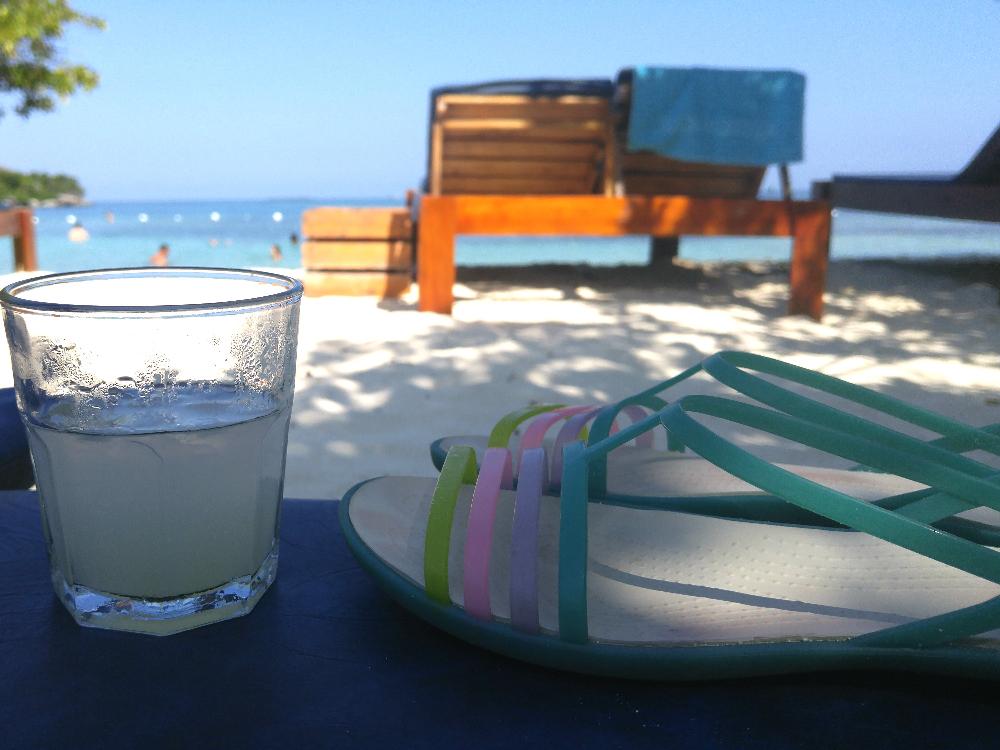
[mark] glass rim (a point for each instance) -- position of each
(292, 290)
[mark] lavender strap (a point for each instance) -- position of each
(524, 541)
(575, 424)
(535, 432)
(569, 432)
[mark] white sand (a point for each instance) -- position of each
(377, 381)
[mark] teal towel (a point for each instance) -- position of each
(718, 116)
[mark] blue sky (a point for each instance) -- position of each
(255, 99)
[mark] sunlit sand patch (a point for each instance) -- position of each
(342, 448)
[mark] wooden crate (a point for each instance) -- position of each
(357, 251)
(356, 283)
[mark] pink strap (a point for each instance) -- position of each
(494, 473)
(540, 425)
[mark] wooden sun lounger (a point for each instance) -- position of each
(973, 193)
(555, 164)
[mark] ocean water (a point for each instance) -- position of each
(240, 233)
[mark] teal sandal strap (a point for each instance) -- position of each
(845, 509)
(604, 421)
(573, 504)
(939, 630)
(917, 537)
(842, 508)
(729, 368)
(601, 427)
(932, 506)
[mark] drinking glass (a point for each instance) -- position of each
(157, 404)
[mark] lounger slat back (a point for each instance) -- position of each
(521, 138)
(549, 151)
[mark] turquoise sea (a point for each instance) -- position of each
(240, 233)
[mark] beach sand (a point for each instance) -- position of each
(378, 381)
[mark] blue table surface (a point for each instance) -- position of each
(327, 660)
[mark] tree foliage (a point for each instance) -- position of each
(19, 188)
(31, 66)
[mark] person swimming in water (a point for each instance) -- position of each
(276, 254)
(160, 257)
(77, 233)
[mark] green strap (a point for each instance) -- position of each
(459, 468)
(502, 430)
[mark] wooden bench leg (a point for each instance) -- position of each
(436, 255)
(810, 256)
(663, 250)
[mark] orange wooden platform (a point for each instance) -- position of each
(442, 217)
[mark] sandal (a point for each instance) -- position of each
(589, 583)
(638, 472)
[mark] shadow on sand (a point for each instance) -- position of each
(380, 383)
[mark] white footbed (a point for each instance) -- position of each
(651, 472)
(664, 577)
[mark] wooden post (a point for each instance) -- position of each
(19, 225)
(437, 155)
(810, 256)
(436, 254)
(662, 250)
(612, 165)
(25, 249)
(786, 182)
